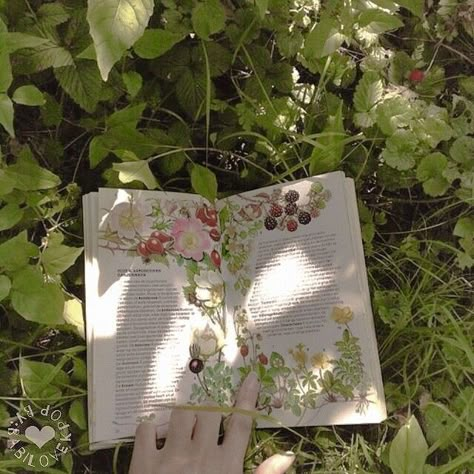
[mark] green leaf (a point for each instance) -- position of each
(28, 95)
(408, 450)
(324, 39)
(441, 427)
(430, 171)
(52, 14)
(126, 117)
(16, 252)
(81, 81)
(6, 114)
(462, 150)
(400, 150)
(73, 315)
(191, 92)
(36, 300)
(5, 286)
(133, 82)
(208, 17)
(136, 171)
(49, 54)
(42, 380)
(414, 6)
(10, 215)
(377, 21)
(394, 113)
(464, 227)
(28, 176)
(115, 25)
(262, 6)
(77, 414)
(6, 76)
(156, 42)
(14, 41)
(204, 182)
(57, 258)
(368, 92)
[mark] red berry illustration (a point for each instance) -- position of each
(292, 225)
(161, 236)
(276, 210)
(417, 75)
(155, 246)
(270, 223)
(263, 359)
(244, 350)
(291, 209)
(292, 196)
(216, 258)
(207, 215)
(215, 235)
(143, 250)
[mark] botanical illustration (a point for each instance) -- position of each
(278, 211)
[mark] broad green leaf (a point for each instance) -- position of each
(36, 300)
(6, 114)
(377, 21)
(414, 6)
(42, 380)
(28, 176)
(7, 184)
(394, 113)
(57, 257)
(133, 82)
(464, 227)
(115, 25)
(5, 285)
(77, 413)
(6, 77)
(98, 150)
(328, 158)
(14, 41)
(52, 14)
(156, 42)
(191, 92)
(324, 39)
(126, 117)
(73, 315)
(208, 17)
(400, 150)
(462, 150)
(10, 215)
(429, 172)
(49, 54)
(408, 450)
(204, 182)
(16, 252)
(440, 426)
(81, 81)
(466, 85)
(136, 171)
(28, 95)
(262, 6)
(368, 92)
(400, 66)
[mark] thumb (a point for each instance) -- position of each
(277, 464)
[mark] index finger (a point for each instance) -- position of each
(237, 434)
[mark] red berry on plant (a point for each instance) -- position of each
(276, 210)
(417, 75)
(143, 250)
(215, 235)
(216, 258)
(292, 225)
(263, 359)
(155, 246)
(207, 215)
(244, 350)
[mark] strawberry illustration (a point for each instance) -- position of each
(215, 235)
(207, 215)
(216, 258)
(155, 246)
(143, 250)
(263, 359)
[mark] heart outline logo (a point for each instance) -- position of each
(40, 437)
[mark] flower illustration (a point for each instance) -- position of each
(209, 288)
(191, 240)
(342, 315)
(130, 218)
(320, 360)
(208, 337)
(299, 355)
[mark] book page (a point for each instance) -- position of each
(156, 271)
(300, 309)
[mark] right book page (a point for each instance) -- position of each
(297, 293)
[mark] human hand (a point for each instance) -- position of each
(191, 445)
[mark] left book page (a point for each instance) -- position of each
(152, 270)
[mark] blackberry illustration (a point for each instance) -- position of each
(304, 217)
(292, 196)
(270, 223)
(291, 209)
(292, 225)
(276, 210)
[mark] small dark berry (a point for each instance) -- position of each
(417, 75)
(291, 209)
(263, 359)
(270, 223)
(292, 225)
(304, 217)
(276, 210)
(292, 196)
(196, 366)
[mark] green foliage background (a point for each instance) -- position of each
(221, 96)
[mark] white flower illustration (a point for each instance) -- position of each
(130, 218)
(210, 288)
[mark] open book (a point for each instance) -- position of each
(184, 298)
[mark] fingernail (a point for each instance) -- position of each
(252, 381)
(289, 453)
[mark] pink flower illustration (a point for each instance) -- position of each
(190, 238)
